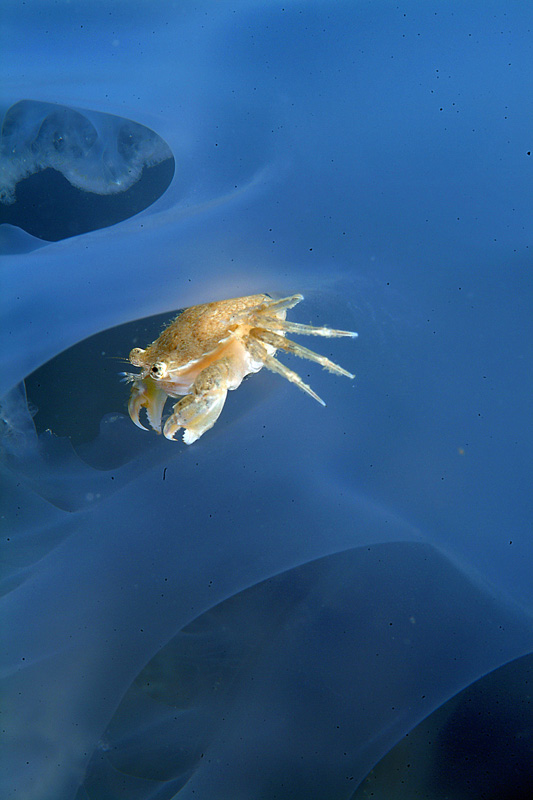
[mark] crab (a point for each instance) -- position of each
(207, 351)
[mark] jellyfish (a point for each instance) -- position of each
(269, 611)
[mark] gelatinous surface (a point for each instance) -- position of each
(269, 611)
(99, 156)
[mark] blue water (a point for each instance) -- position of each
(268, 612)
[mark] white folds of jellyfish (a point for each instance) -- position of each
(95, 152)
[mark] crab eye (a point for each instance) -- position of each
(159, 370)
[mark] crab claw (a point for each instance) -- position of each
(196, 413)
(146, 393)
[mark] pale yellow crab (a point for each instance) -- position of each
(208, 350)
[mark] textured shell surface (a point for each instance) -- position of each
(198, 331)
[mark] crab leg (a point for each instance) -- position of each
(283, 303)
(256, 312)
(277, 324)
(271, 363)
(281, 343)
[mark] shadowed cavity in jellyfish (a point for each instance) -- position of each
(66, 171)
(478, 744)
(66, 443)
